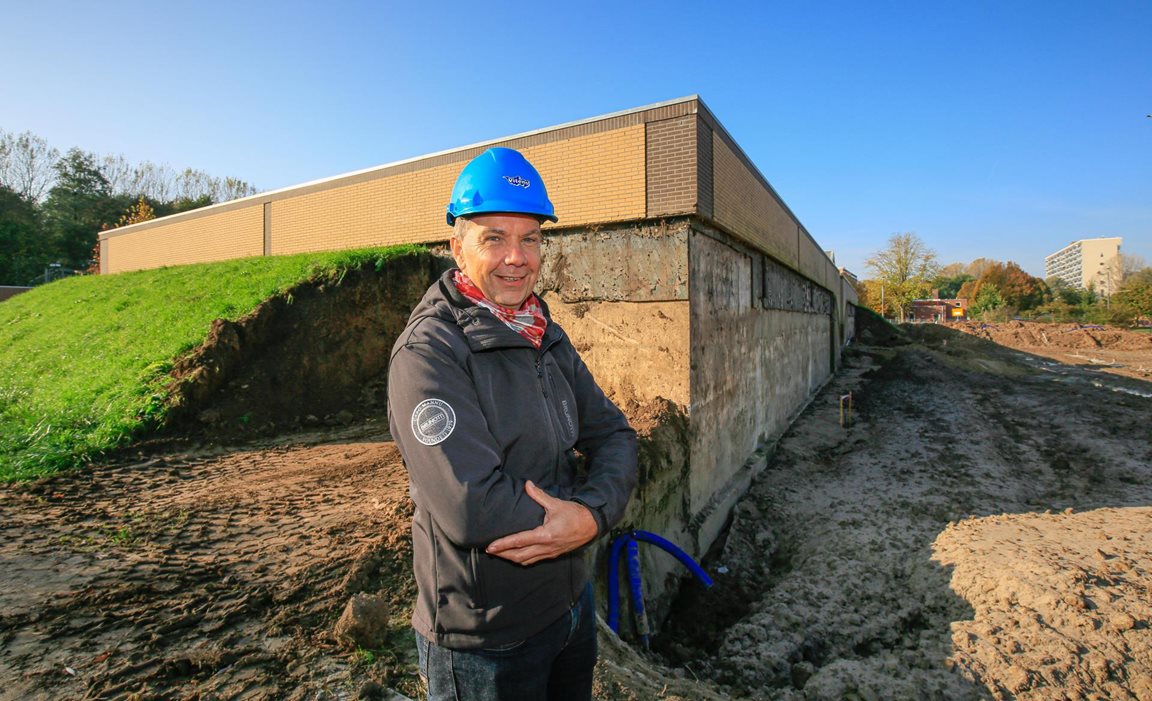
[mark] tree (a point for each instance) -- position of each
(163, 209)
(1136, 293)
(79, 206)
(27, 164)
(1117, 269)
(987, 299)
(63, 202)
(140, 212)
(979, 266)
(953, 270)
(1015, 288)
(1064, 292)
(904, 269)
(1130, 264)
(948, 287)
(23, 250)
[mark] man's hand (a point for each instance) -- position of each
(567, 525)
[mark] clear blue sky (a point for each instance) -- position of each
(998, 129)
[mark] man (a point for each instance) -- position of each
(489, 403)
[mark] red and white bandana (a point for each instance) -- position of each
(528, 320)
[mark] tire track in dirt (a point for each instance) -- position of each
(201, 576)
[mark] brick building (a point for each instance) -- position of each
(675, 267)
(939, 310)
(10, 291)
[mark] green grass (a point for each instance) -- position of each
(84, 361)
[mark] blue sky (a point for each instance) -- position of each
(991, 129)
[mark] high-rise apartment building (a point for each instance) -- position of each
(1087, 262)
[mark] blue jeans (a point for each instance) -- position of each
(555, 664)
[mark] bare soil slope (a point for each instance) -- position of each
(1103, 348)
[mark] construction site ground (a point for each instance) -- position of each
(981, 529)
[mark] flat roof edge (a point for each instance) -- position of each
(280, 193)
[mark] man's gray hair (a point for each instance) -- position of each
(459, 228)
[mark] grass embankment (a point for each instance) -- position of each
(84, 361)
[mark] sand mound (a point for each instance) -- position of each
(1061, 604)
(1027, 334)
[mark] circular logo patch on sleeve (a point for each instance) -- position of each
(433, 421)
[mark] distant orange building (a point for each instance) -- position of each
(939, 310)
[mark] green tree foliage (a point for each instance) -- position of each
(72, 198)
(1063, 292)
(178, 205)
(23, 250)
(988, 298)
(1136, 293)
(904, 270)
(79, 206)
(948, 287)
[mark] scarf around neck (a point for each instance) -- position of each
(528, 320)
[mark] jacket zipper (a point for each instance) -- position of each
(553, 419)
(549, 411)
(474, 561)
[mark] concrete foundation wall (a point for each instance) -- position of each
(753, 366)
(621, 294)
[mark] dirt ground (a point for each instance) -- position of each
(1113, 350)
(980, 531)
(206, 575)
(983, 529)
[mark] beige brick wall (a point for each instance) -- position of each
(749, 210)
(593, 178)
(236, 233)
(404, 208)
(813, 261)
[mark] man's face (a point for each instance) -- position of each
(501, 254)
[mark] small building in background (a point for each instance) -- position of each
(939, 310)
(10, 291)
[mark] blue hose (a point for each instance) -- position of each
(629, 541)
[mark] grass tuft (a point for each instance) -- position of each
(84, 360)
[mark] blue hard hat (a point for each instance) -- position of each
(499, 180)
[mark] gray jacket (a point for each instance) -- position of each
(476, 411)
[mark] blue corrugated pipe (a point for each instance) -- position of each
(629, 540)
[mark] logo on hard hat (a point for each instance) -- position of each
(517, 181)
